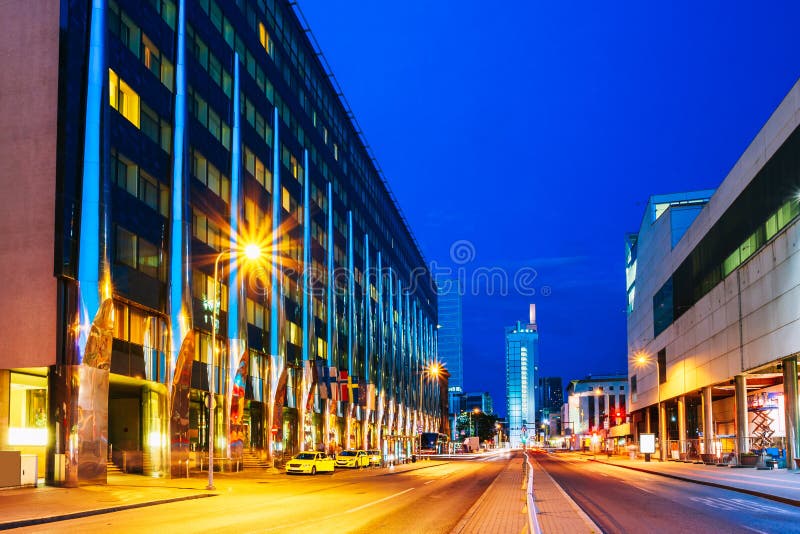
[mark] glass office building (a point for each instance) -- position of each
(155, 140)
(451, 341)
(522, 369)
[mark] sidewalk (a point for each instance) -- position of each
(776, 484)
(556, 511)
(22, 507)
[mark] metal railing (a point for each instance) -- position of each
(723, 450)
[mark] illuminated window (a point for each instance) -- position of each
(27, 410)
(122, 98)
(264, 38)
(285, 199)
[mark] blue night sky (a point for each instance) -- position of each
(537, 131)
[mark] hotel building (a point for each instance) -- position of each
(147, 145)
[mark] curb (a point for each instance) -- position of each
(769, 496)
(462, 524)
(593, 527)
(99, 511)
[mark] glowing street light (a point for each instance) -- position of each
(252, 252)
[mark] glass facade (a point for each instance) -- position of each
(451, 341)
(218, 124)
(522, 368)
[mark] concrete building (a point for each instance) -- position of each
(450, 340)
(151, 142)
(713, 319)
(522, 369)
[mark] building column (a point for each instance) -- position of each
(742, 430)
(662, 431)
(682, 423)
(648, 428)
(708, 420)
(596, 401)
(791, 410)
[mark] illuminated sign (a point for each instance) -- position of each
(647, 443)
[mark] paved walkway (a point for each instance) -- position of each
(502, 508)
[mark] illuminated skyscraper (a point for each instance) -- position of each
(450, 341)
(522, 369)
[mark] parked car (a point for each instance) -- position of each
(375, 458)
(311, 463)
(352, 458)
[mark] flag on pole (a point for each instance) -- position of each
(352, 387)
(343, 381)
(324, 379)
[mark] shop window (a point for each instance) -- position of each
(27, 410)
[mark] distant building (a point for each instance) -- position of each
(450, 339)
(549, 397)
(481, 401)
(593, 405)
(522, 368)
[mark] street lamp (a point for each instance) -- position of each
(251, 252)
(434, 369)
(643, 360)
(474, 428)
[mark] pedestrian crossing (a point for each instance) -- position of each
(738, 504)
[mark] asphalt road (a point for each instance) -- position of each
(432, 499)
(624, 501)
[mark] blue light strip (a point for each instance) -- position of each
(89, 262)
(408, 347)
(179, 244)
(235, 296)
(366, 289)
(380, 327)
(351, 291)
(307, 312)
(331, 296)
(276, 221)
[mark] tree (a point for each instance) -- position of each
(476, 424)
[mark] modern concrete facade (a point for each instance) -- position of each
(145, 144)
(522, 369)
(714, 321)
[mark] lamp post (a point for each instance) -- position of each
(642, 359)
(251, 252)
(433, 369)
(474, 427)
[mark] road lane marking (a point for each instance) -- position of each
(357, 508)
(754, 530)
(730, 504)
(429, 482)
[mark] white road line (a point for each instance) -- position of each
(754, 530)
(429, 482)
(357, 508)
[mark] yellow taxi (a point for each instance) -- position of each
(375, 458)
(352, 458)
(310, 462)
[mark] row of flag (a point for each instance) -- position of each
(339, 385)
